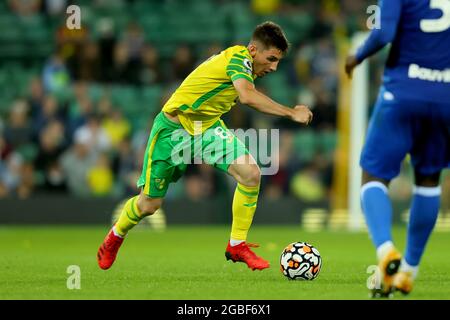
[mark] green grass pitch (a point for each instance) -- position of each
(187, 262)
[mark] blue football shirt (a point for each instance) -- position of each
(418, 66)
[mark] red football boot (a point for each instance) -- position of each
(108, 250)
(242, 253)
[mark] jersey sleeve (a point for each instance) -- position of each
(390, 12)
(240, 67)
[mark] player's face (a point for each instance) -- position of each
(266, 60)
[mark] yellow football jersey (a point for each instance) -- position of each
(208, 92)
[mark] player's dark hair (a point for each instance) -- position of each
(271, 35)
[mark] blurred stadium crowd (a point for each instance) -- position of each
(76, 106)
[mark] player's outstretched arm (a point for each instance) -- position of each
(250, 96)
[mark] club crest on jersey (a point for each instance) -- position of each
(160, 183)
(248, 66)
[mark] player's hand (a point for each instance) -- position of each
(350, 63)
(302, 114)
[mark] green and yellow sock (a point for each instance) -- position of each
(129, 217)
(244, 207)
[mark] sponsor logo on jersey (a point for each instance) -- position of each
(417, 72)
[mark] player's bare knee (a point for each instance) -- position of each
(367, 177)
(251, 177)
(148, 206)
(431, 180)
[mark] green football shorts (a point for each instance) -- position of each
(170, 149)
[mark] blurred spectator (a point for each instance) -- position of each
(107, 42)
(150, 71)
(55, 75)
(324, 64)
(199, 180)
(133, 39)
(55, 7)
(211, 178)
(116, 127)
(89, 65)
(9, 173)
(239, 117)
(182, 63)
(277, 185)
(127, 167)
(302, 62)
(16, 176)
(122, 70)
(104, 107)
(36, 96)
(48, 113)
(80, 108)
(18, 131)
(211, 50)
(324, 105)
(194, 187)
(25, 7)
(51, 146)
(25, 188)
(76, 163)
(309, 184)
(265, 7)
(93, 135)
(100, 177)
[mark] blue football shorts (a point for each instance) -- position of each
(398, 127)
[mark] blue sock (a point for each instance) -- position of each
(423, 215)
(377, 209)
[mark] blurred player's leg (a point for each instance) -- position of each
(423, 216)
(245, 199)
(388, 141)
(377, 209)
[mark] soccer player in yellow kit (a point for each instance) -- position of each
(193, 113)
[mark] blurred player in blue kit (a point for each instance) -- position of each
(411, 115)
